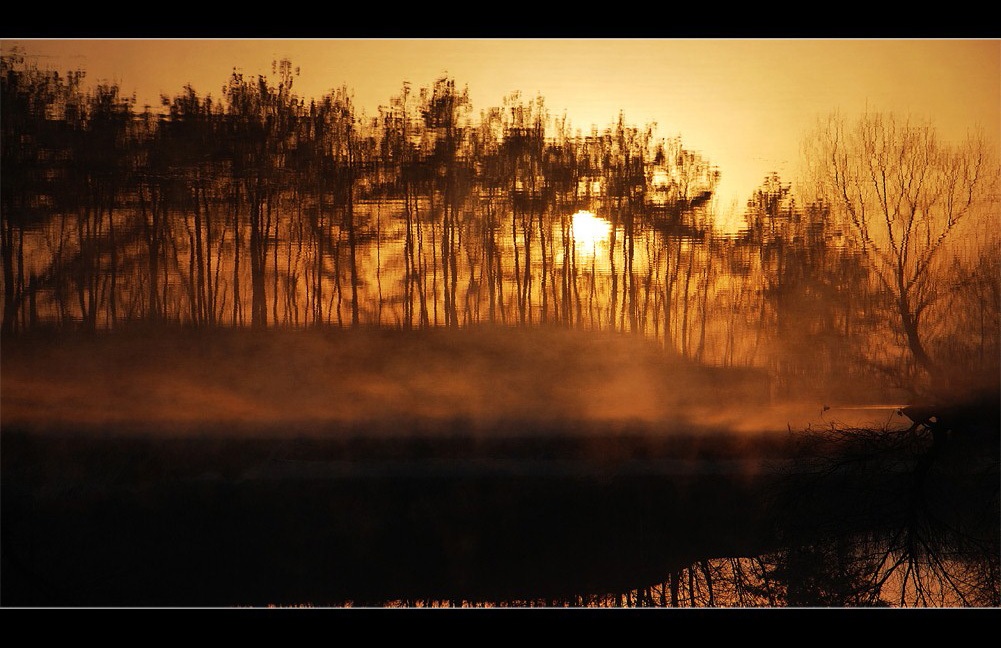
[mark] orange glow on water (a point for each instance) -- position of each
(591, 233)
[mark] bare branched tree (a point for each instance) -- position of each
(902, 193)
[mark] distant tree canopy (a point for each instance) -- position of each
(262, 208)
(236, 168)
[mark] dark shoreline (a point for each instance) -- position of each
(221, 521)
(117, 521)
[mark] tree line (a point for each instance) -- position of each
(266, 209)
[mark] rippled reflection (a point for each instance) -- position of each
(263, 209)
(507, 278)
(590, 233)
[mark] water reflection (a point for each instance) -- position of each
(930, 539)
(589, 233)
(516, 517)
(264, 210)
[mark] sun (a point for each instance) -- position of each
(590, 232)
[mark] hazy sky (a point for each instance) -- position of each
(745, 104)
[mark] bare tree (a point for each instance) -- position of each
(902, 193)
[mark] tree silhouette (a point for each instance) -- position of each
(902, 193)
(262, 118)
(33, 119)
(808, 286)
(262, 209)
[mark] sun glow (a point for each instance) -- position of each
(590, 232)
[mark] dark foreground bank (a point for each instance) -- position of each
(219, 521)
(109, 520)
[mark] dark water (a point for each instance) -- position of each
(537, 520)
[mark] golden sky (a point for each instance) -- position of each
(745, 104)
